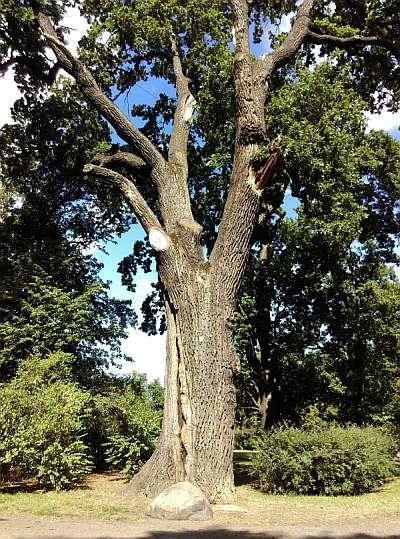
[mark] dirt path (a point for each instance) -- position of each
(24, 528)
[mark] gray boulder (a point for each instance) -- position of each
(181, 501)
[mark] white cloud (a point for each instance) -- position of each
(9, 94)
(8, 89)
(385, 120)
(286, 22)
(148, 353)
(143, 289)
(77, 25)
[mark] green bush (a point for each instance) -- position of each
(63, 466)
(42, 419)
(53, 430)
(330, 460)
(133, 438)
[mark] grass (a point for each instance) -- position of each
(101, 498)
(320, 510)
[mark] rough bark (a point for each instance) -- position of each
(196, 442)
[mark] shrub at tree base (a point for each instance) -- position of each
(42, 415)
(52, 429)
(130, 444)
(330, 461)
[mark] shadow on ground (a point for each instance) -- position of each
(220, 533)
(20, 486)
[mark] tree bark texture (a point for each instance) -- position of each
(196, 442)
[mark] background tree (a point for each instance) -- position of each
(320, 284)
(52, 297)
(189, 46)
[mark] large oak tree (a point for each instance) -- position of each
(190, 45)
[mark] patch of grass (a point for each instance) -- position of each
(101, 498)
(274, 509)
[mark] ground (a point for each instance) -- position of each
(99, 510)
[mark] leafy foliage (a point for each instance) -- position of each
(330, 461)
(318, 320)
(63, 467)
(123, 422)
(42, 423)
(52, 429)
(51, 296)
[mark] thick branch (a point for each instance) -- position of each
(294, 40)
(229, 255)
(174, 200)
(250, 90)
(125, 129)
(241, 27)
(127, 159)
(183, 115)
(142, 210)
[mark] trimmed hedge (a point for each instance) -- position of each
(331, 460)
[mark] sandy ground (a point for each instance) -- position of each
(24, 528)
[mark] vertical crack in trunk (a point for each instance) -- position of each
(184, 412)
(186, 354)
(177, 419)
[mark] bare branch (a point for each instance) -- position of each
(356, 40)
(174, 199)
(142, 210)
(270, 61)
(183, 114)
(302, 32)
(125, 129)
(335, 40)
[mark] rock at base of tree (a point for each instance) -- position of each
(181, 501)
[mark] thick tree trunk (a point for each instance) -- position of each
(197, 436)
